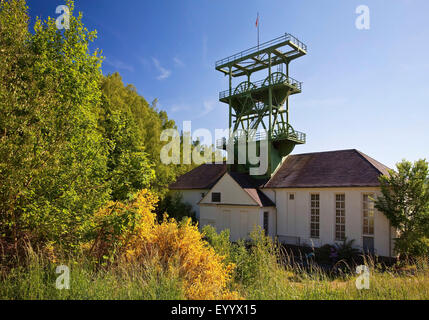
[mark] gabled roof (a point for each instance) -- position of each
(344, 168)
(202, 177)
(251, 186)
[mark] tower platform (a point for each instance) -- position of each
(259, 110)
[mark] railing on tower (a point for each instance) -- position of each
(285, 38)
(261, 84)
(292, 135)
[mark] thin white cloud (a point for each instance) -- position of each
(164, 73)
(208, 107)
(178, 62)
(179, 107)
(119, 65)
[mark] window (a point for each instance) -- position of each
(340, 217)
(266, 217)
(368, 214)
(215, 196)
(291, 196)
(315, 215)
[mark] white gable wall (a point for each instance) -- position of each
(237, 211)
(231, 192)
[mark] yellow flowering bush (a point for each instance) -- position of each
(131, 233)
(117, 222)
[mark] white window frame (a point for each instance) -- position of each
(366, 230)
(340, 214)
(315, 215)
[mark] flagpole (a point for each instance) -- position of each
(258, 29)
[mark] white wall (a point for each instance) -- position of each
(231, 193)
(237, 211)
(272, 220)
(239, 220)
(293, 217)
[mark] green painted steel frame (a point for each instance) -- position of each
(251, 103)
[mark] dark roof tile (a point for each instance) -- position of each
(202, 177)
(251, 186)
(344, 168)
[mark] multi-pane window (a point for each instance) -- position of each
(315, 216)
(368, 214)
(215, 196)
(340, 217)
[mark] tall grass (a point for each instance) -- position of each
(36, 280)
(263, 270)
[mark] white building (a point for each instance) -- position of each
(313, 199)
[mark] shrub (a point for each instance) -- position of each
(129, 234)
(173, 205)
(345, 251)
(405, 202)
(114, 225)
(324, 254)
(413, 245)
(219, 242)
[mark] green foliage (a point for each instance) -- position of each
(413, 245)
(405, 202)
(256, 261)
(52, 155)
(129, 166)
(220, 242)
(71, 139)
(134, 127)
(173, 205)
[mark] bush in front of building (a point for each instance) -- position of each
(405, 202)
(173, 205)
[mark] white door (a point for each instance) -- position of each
(225, 220)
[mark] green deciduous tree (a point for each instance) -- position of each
(134, 127)
(52, 155)
(405, 202)
(71, 138)
(129, 165)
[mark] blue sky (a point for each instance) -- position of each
(363, 89)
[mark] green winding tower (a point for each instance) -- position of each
(259, 110)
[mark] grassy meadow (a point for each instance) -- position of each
(258, 275)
